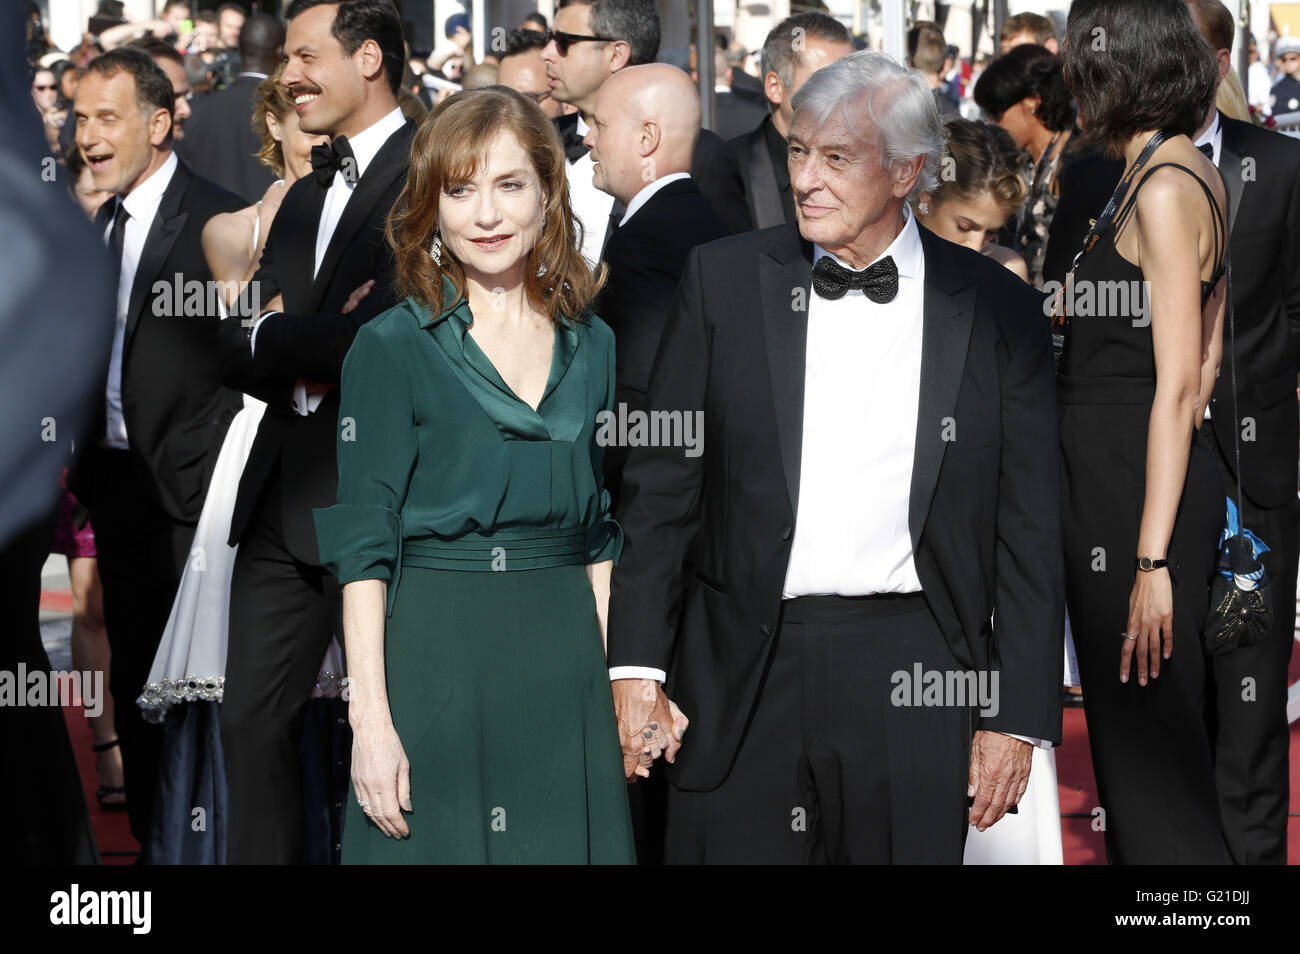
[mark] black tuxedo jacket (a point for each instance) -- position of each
(1261, 170)
(310, 339)
(646, 258)
(1087, 178)
(220, 143)
(984, 513)
(175, 407)
(712, 167)
(765, 175)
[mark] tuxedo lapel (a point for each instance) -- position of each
(163, 231)
(948, 313)
(785, 279)
(1230, 159)
(766, 194)
(391, 161)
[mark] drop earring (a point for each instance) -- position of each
(923, 207)
(436, 251)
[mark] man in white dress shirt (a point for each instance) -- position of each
(144, 471)
(856, 592)
(326, 270)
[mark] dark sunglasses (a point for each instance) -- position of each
(45, 89)
(565, 40)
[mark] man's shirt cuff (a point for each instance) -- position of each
(637, 672)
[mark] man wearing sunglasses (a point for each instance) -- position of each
(590, 42)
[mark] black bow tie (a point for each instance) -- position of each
(1208, 149)
(574, 147)
(327, 160)
(879, 282)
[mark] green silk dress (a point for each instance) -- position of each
(481, 515)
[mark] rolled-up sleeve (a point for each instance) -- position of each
(360, 538)
(604, 535)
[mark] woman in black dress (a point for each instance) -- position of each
(1139, 484)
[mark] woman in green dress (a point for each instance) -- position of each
(472, 534)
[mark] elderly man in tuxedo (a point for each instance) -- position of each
(855, 593)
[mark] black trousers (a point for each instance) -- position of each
(141, 553)
(1248, 694)
(830, 769)
(282, 615)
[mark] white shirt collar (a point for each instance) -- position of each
(582, 127)
(905, 250)
(648, 192)
(1214, 136)
(142, 201)
(367, 143)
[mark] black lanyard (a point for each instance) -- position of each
(1108, 214)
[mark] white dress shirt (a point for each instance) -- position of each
(590, 206)
(862, 388)
(365, 146)
(648, 192)
(142, 208)
(1213, 136)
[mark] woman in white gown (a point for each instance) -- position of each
(188, 675)
(981, 187)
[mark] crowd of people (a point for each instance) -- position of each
(526, 440)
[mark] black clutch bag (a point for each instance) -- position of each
(1238, 616)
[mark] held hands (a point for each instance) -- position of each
(1150, 621)
(649, 725)
(381, 777)
(999, 775)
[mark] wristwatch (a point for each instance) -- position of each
(1146, 564)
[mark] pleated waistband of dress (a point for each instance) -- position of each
(529, 549)
(1104, 390)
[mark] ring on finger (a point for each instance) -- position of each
(1129, 636)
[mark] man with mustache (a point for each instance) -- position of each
(343, 65)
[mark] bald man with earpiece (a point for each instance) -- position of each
(645, 123)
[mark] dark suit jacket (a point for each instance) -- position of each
(220, 144)
(646, 258)
(1087, 178)
(737, 115)
(984, 508)
(712, 167)
(1261, 170)
(175, 407)
(760, 156)
(311, 339)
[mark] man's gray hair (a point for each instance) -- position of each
(883, 102)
